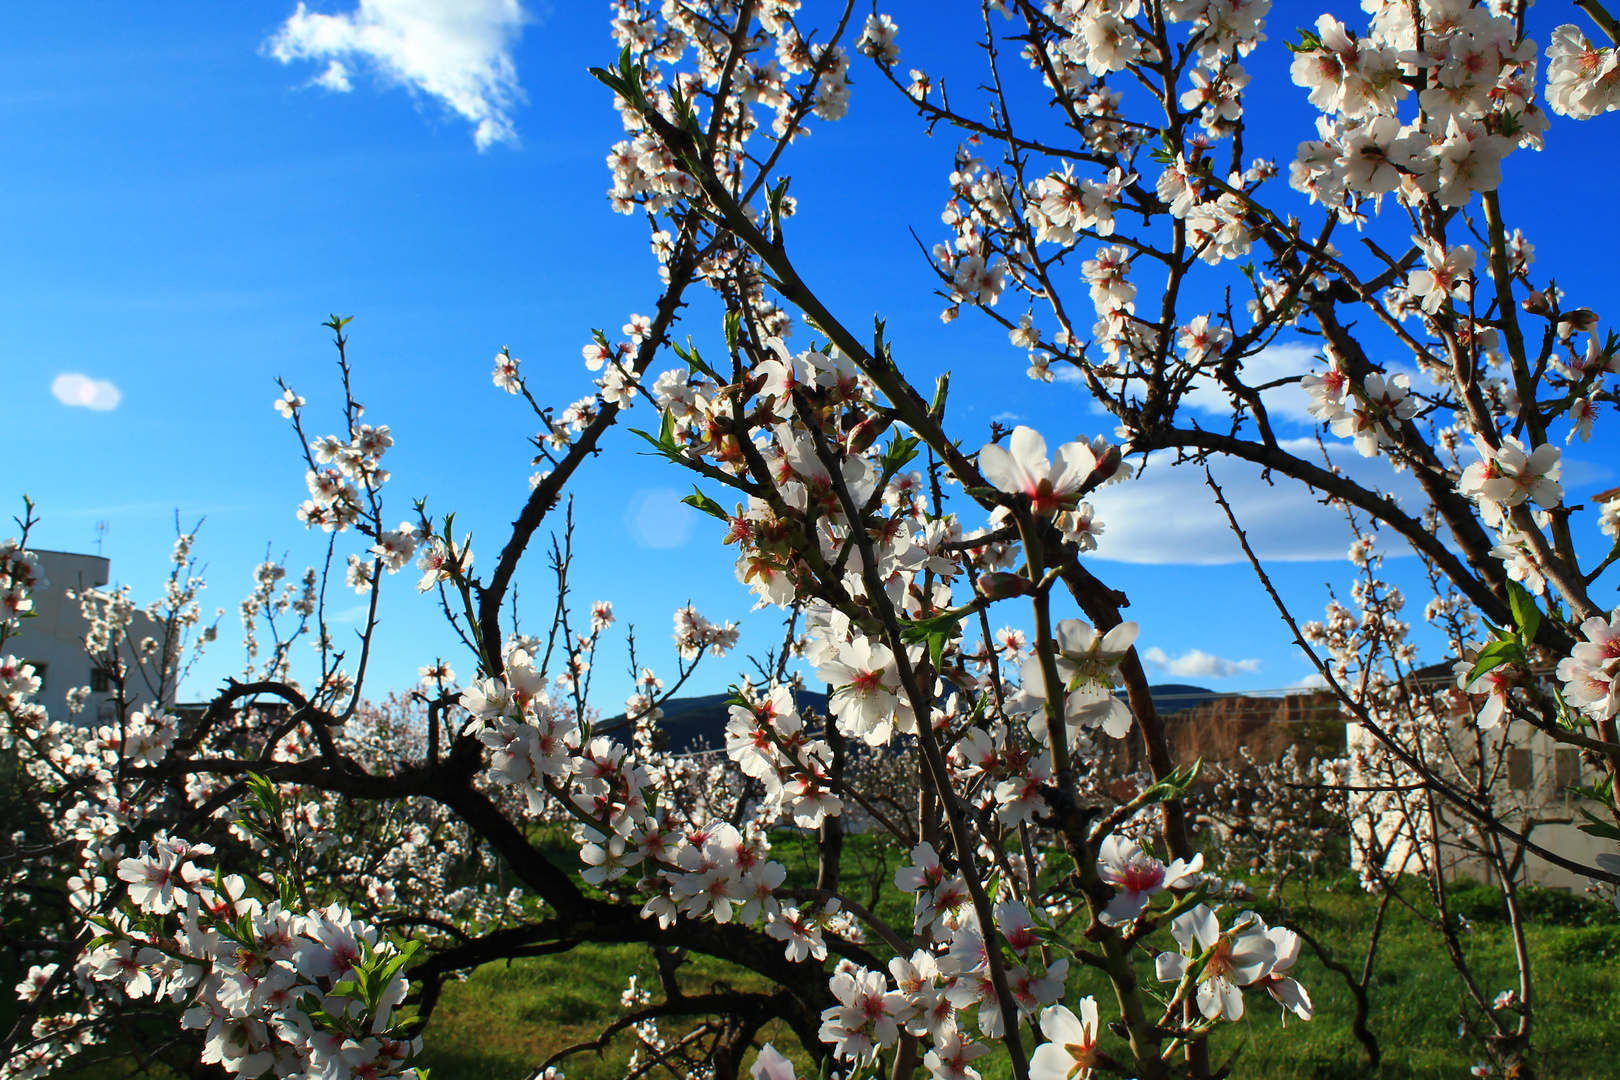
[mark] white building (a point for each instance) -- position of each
(53, 639)
(1534, 799)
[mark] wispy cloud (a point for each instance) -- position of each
(354, 614)
(1197, 664)
(75, 389)
(1278, 361)
(458, 51)
(1168, 515)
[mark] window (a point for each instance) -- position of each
(1520, 769)
(39, 667)
(99, 683)
(1566, 768)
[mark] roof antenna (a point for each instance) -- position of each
(101, 534)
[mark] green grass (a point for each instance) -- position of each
(1417, 1000)
(506, 1018)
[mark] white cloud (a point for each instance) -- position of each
(458, 51)
(335, 78)
(97, 394)
(1169, 515)
(1580, 473)
(354, 614)
(1282, 360)
(1274, 362)
(656, 518)
(1197, 664)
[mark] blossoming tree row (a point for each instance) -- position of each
(292, 875)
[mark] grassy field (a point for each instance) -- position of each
(505, 1019)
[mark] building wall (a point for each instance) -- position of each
(1216, 729)
(53, 640)
(1538, 771)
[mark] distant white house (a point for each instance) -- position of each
(1535, 799)
(53, 640)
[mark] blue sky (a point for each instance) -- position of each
(179, 211)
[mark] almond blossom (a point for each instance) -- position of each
(1022, 468)
(1447, 275)
(867, 1017)
(1509, 474)
(1088, 665)
(1591, 672)
(1137, 877)
(952, 1055)
(1235, 958)
(1283, 988)
(867, 688)
(1071, 1047)
(1374, 418)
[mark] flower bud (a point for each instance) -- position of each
(866, 433)
(1107, 466)
(1579, 321)
(1000, 585)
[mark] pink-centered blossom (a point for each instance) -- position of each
(1070, 1049)
(1137, 877)
(1022, 468)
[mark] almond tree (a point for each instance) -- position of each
(887, 536)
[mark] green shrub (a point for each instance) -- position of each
(1589, 945)
(1549, 907)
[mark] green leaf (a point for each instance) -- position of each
(691, 358)
(264, 793)
(935, 631)
(347, 988)
(777, 194)
(901, 451)
(1598, 827)
(1526, 616)
(1176, 784)
(390, 969)
(1308, 42)
(942, 389)
(625, 82)
(665, 442)
(655, 440)
(1493, 656)
(1600, 792)
(707, 505)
